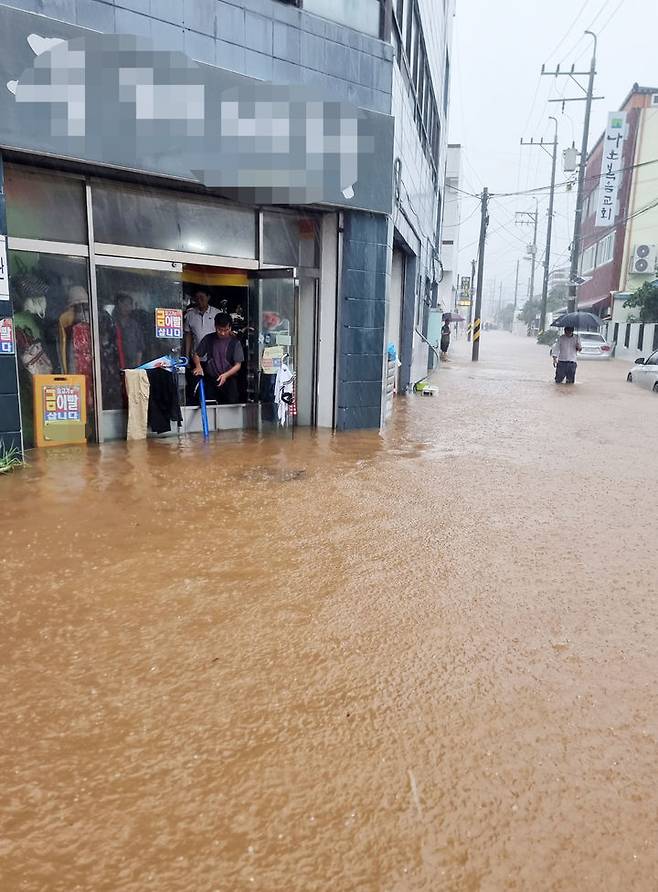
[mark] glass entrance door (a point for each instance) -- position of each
(140, 318)
(272, 347)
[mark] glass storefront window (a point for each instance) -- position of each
(362, 15)
(45, 206)
(290, 240)
(273, 302)
(148, 218)
(50, 297)
(128, 301)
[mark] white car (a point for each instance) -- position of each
(645, 373)
(595, 346)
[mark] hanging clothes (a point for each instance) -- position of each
(29, 341)
(163, 404)
(283, 392)
(138, 390)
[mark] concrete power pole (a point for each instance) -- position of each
(588, 98)
(516, 293)
(533, 265)
(477, 321)
(532, 249)
(471, 295)
(549, 227)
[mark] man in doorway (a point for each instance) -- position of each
(199, 322)
(565, 354)
(223, 356)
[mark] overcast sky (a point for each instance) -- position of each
(498, 96)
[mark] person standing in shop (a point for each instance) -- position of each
(199, 322)
(222, 355)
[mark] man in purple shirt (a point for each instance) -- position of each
(222, 357)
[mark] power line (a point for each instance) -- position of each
(569, 29)
(465, 220)
(597, 176)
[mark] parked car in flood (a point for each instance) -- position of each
(645, 372)
(595, 346)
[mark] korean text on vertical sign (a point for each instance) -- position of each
(4, 272)
(611, 164)
(466, 285)
(62, 402)
(168, 323)
(7, 337)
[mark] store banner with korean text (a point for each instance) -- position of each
(168, 323)
(611, 165)
(62, 402)
(7, 343)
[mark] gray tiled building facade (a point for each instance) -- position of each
(396, 61)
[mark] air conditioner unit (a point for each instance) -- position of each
(654, 99)
(644, 260)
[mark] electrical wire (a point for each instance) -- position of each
(465, 220)
(570, 28)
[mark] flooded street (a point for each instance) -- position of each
(422, 661)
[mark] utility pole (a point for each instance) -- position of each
(549, 227)
(532, 249)
(471, 294)
(588, 98)
(516, 293)
(533, 264)
(484, 220)
(500, 304)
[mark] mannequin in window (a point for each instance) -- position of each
(30, 308)
(29, 323)
(129, 335)
(75, 338)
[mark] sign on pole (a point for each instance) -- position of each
(613, 150)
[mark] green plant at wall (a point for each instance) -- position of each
(9, 458)
(529, 312)
(646, 300)
(548, 337)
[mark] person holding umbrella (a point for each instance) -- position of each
(445, 331)
(565, 354)
(445, 339)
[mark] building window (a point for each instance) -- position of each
(412, 59)
(605, 249)
(588, 259)
(362, 15)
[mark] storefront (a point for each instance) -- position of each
(102, 272)
(151, 176)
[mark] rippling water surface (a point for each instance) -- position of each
(419, 661)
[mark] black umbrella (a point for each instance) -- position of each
(579, 321)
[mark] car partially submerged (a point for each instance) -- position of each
(594, 345)
(645, 372)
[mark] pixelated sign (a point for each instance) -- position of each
(168, 323)
(62, 402)
(119, 100)
(7, 336)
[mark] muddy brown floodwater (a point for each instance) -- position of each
(422, 661)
